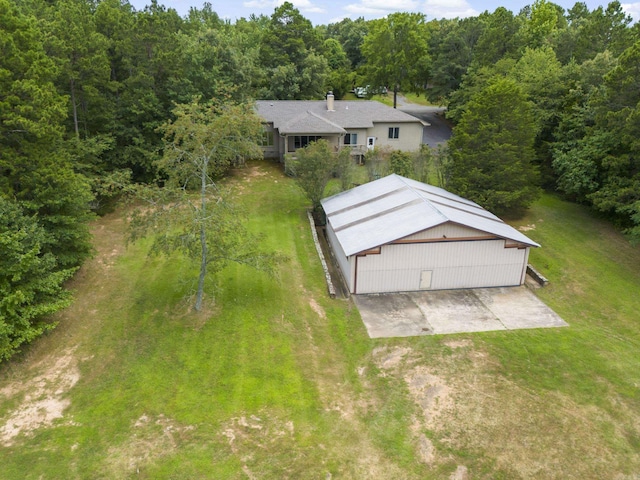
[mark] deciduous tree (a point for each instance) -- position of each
(396, 52)
(201, 144)
(312, 167)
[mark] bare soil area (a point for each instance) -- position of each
(524, 433)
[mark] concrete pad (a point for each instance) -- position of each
(518, 307)
(454, 311)
(391, 315)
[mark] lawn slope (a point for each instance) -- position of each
(276, 380)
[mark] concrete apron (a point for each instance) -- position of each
(410, 314)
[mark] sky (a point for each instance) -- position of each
(324, 12)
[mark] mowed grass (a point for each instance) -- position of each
(276, 380)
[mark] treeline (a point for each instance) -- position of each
(85, 86)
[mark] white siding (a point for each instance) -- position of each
(338, 253)
(449, 230)
(410, 137)
(471, 264)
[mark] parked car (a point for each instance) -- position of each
(360, 92)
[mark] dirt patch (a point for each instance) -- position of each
(317, 308)
(527, 228)
(151, 438)
(454, 344)
(464, 405)
(430, 393)
(390, 358)
(43, 398)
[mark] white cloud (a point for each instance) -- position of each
(303, 5)
(632, 9)
(436, 9)
(381, 8)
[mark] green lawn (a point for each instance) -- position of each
(276, 380)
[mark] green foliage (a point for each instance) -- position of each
(350, 33)
(452, 44)
(209, 136)
(401, 163)
(498, 39)
(202, 144)
(291, 54)
(396, 52)
(312, 168)
(30, 107)
(423, 163)
(543, 20)
(345, 169)
(492, 150)
(30, 279)
(377, 162)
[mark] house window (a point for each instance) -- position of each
(394, 132)
(301, 141)
(267, 139)
(351, 139)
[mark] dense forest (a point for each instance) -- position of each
(541, 98)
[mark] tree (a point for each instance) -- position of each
(30, 280)
(201, 144)
(377, 162)
(81, 52)
(401, 163)
(544, 20)
(291, 53)
(396, 52)
(312, 168)
(540, 77)
(345, 169)
(498, 39)
(35, 169)
(452, 43)
(350, 34)
(492, 150)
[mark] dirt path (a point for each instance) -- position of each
(38, 383)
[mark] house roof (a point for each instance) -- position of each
(312, 116)
(395, 207)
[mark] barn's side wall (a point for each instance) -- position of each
(448, 230)
(338, 252)
(458, 264)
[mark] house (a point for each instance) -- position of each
(357, 125)
(397, 234)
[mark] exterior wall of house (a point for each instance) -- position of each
(272, 151)
(439, 266)
(333, 140)
(409, 138)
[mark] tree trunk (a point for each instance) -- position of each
(395, 95)
(75, 108)
(203, 237)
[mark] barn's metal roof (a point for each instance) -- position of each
(395, 207)
(312, 116)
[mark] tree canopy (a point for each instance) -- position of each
(396, 52)
(492, 150)
(86, 87)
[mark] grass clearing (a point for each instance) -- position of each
(276, 380)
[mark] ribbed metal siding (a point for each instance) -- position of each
(471, 264)
(450, 230)
(343, 261)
